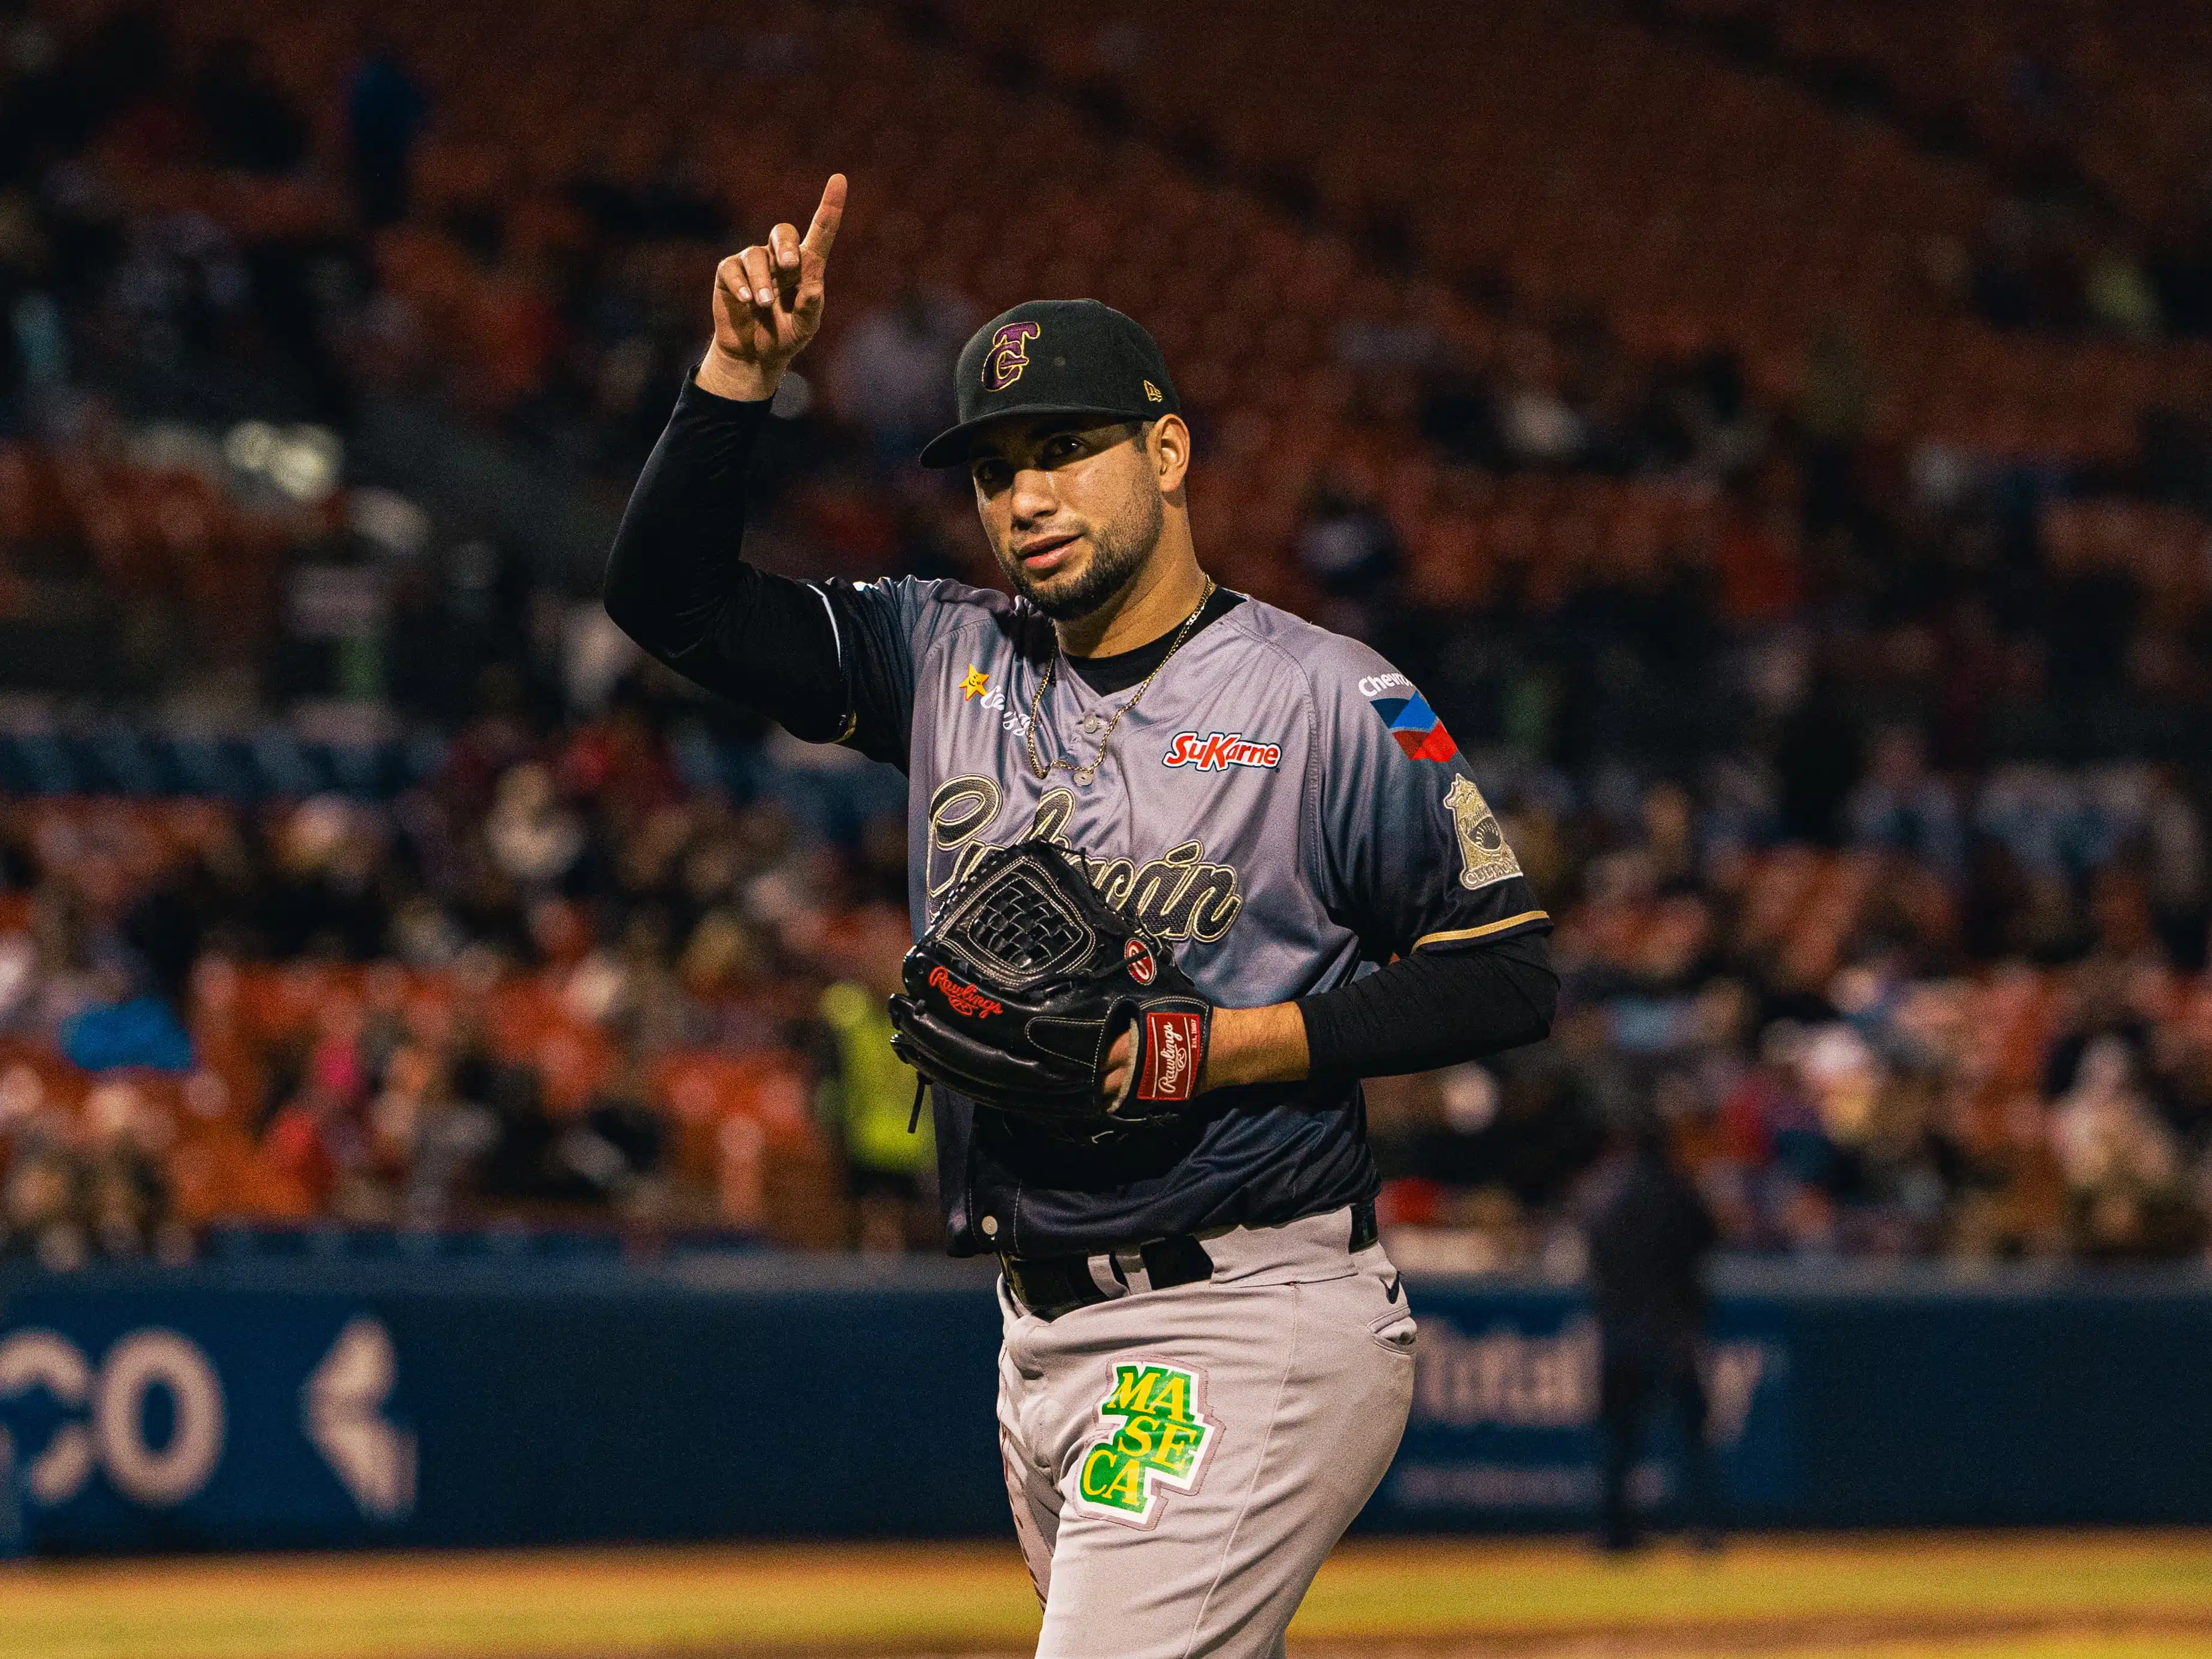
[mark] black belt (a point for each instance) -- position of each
(1050, 1285)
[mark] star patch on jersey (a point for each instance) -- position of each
(1415, 725)
(1158, 1435)
(1484, 857)
(973, 684)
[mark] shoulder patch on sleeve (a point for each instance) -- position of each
(1483, 856)
(1412, 723)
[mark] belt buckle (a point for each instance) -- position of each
(1130, 1268)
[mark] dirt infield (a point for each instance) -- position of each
(1781, 1643)
(1784, 1640)
(2140, 1595)
(1777, 1641)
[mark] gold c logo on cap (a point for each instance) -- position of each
(1009, 356)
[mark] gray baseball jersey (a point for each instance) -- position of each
(1281, 805)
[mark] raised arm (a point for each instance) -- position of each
(675, 581)
(767, 303)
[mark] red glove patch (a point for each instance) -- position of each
(1171, 1056)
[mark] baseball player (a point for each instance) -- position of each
(1208, 1358)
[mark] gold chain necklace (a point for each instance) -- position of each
(1088, 769)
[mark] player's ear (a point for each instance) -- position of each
(1170, 445)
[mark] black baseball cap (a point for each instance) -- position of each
(1055, 358)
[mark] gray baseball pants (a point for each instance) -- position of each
(1181, 1462)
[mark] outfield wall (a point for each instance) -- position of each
(340, 1404)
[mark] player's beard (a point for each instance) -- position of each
(1118, 552)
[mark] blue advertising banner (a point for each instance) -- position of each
(338, 1404)
(325, 1406)
(1506, 1405)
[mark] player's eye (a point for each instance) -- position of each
(991, 476)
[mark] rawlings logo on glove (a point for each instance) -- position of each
(967, 1000)
(1016, 995)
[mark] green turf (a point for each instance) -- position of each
(2109, 1596)
(1439, 1588)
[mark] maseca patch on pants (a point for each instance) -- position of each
(1158, 1439)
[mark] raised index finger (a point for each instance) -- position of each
(823, 232)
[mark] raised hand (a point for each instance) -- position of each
(768, 302)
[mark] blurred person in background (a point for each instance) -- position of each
(2122, 1164)
(1648, 1234)
(889, 1166)
(1351, 551)
(1901, 806)
(425, 1139)
(127, 1196)
(892, 375)
(41, 1196)
(385, 112)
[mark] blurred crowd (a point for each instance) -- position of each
(550, 985)
(1975, 1027)
(1859, 762)
(554, 982)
